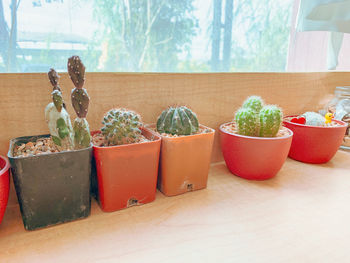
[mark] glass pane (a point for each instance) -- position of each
(147, 35)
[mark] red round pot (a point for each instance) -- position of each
(4, 185)
(314, 144)
(254, 158)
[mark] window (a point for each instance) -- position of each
(147, 36)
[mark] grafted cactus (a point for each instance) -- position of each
(121, 126)
(247, 122)
(255, 119)
(80, 102)
(179, 120)
(270, 120)
(254, 103)
(58, 118)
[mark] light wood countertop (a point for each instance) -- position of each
(302, 215)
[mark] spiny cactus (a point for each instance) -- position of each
(80, 102)
(247, 122)
(270, 120)
(255, 103)
(121, 126)
(255, 119)
(58, 118)
(314, 119)
(179, 120)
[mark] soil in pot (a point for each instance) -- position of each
(51, 188)
(254, 158)
(185, 161)
(4, 185)
(126, 174)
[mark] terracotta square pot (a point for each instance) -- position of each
(4, 185)
(127, 174)
(51, 188)
(184, 162)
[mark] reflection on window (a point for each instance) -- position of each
(148, 35)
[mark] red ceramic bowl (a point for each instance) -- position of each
(254, 158)
(4, 185)
(314, 144)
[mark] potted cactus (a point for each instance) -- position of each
(126, 158)
(4, 185)
(316, 138)
(185, 152)
(254, 145)
(51, 173)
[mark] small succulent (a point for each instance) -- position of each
(314, 119)
(178, 120)
(58, 118)
(80, 102)
(121, 126)
(257, 119)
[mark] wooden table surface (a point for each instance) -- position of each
(302, 215)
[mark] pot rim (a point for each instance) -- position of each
(12, 143)
(6, 167)
(149, 126)
(254, 137)
(125, 145)
(343, 124)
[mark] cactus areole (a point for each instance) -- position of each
(178, 121)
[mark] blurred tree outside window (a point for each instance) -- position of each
(145, 36)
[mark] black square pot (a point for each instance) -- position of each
(51, 188)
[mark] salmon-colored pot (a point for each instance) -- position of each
(314, 144)
(127, 174)
(4, 185)
(254, 158)
(185, 162)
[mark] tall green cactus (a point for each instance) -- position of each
(255, 119)
(121, 126)
(179, 120)
(247, 122)
(270, 120)
(58, 118)
(80, 102)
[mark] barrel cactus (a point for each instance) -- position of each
(270, 120)
(80, 102)
(58, 118)
(121, 126)
(247, 122)
(178, 121)
(256, 119)
(314, 119)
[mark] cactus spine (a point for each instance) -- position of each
(178, 120)
(255, 119)
(80, 102)
(270, 120)
(58, 118)
(121, 126)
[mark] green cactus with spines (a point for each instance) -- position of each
(121, 126)
(270, 120)
(58, 118)
(247, 122)
(80, 102)
(178, 120)
(256, 119)
(254, 102)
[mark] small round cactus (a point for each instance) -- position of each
(247, 122)
(270, 120)
(121, 126)
(314, 119)
(179, 120)
(254, 102)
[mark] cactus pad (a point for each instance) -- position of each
(80, 102)
(178, 120)
(121, 126)
(247, 122)
(54, 79)
(82, 137)
(57, 100)
(76, 71)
